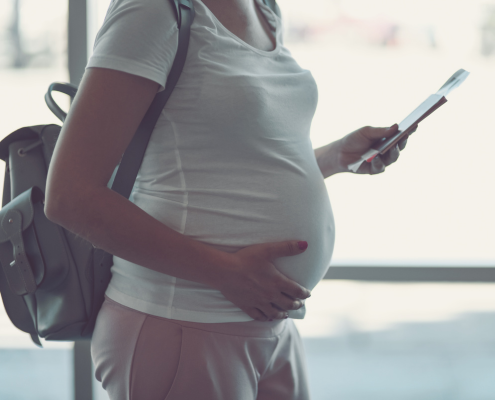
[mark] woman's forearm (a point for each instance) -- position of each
(327, 158)
(116, 225)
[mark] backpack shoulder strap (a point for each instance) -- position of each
(133, 156)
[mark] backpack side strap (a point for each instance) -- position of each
(15, 218)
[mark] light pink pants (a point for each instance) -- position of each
(142, 357)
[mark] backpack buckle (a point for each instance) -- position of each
(16, 219)
(18, 272)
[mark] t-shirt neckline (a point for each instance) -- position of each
(272, 20)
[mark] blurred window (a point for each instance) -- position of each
(97, 10)
(381, 341)
(374, 62)
(33, 54)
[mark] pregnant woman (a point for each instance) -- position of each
(229, 224)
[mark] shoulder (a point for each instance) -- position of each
(139, 37)
(145, 14)
(150, 7)
(137, 23)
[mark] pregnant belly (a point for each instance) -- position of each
(230, 220)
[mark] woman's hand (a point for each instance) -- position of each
(354, 145)
(254, 284)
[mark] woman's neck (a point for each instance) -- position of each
(234, 10)
(245, 20)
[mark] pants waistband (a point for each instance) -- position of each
(252, 328)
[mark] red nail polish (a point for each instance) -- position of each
(302, 245)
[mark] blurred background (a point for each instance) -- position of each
(374, 61)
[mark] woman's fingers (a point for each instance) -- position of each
(256, 314)
(373, 133)
(391, 156)
(274, 312)
(292, 290)
(285, 303)
(402, 143)
(265, 313)
(364, 168)
(377, 166)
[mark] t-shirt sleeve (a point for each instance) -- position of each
(139, 37)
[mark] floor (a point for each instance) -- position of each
(364, 341)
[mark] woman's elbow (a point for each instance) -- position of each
(53, 205)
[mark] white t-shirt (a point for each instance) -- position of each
(230, 162)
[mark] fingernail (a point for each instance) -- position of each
(302, 245)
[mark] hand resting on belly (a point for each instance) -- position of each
(254, 284)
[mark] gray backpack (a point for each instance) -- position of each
(51, 280)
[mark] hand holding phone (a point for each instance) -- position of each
(406, 127)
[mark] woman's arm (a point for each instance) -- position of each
(103, 118)
(106, 112)
(327, 158)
